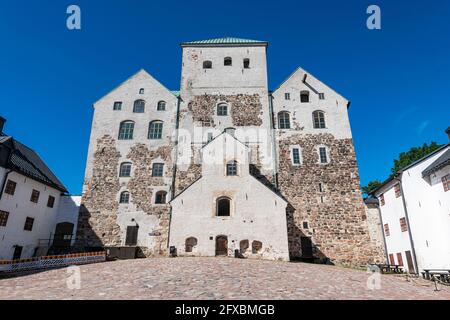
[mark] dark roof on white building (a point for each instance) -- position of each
(442, 161)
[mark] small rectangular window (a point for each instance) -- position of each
(295, 156)
(35, 196)
(305, 225)
(386, 230)
(287, 96)
(323, 155)
(403, 225)
(398, 192)
(10, 187)
(117, 106)
(446, 182)
(50, 201)
(28, 224)
(321, 96)
(321, 188)
(3, 218)
(246, 63)
(381, 199)
(210, 136)
(157, 170)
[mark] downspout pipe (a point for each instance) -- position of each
(408, 224)
(274, 146)
(174, 167)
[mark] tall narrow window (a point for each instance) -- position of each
(246, 63)
(319, 119)
(3, 218)
(155, 130)
(50, 201)
(28, 224)
(223, 207)
(397, 190)
(139, 106)
(323, 155)
(157, 170)
(386, 230)
(403, 225)
(446, 182)
(124, 197)
(10, 187)
(391, 259)
(161, 106)
(400, 259)
(232, 168)
(35, 196)
(222, 109)
(321, 96)
(207, 64)
(125, 169)
(126, 130)
(160, 197)
(296, 156)
(283, 120)
(117, 106)
(227, 61)
(287, 96)
(304, 96)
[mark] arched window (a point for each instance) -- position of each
(232, 168)
(126, 130)
(207, 64)
(222, 109)
(246, 63)
(319, 119)
(155, 130)
(160, 197)
(223, 207)
(124, 197)
(190, 243)
(141, 91)
(304, 96)
(125, 169)
(139, 106)
(283, 120)
(161, 106)
(227, 61)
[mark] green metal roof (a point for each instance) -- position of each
(224, 41)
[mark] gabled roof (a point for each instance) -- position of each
(224, 42)
(399, 172)
(299, 69)
(442, 161)
(27, 162)
(141, 71)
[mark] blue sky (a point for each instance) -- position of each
(397, 78)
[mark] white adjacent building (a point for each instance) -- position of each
(415, 213)
(33, 203)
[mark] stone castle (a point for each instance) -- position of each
(224, 166)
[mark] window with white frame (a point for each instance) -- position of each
(323, 155)
(295, 155)
(222, 109)
(284, 120)
(155, 129)
(157, 169)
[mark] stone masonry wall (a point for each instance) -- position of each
(97, 224)
(336, 217)
(246, 110)
(142, 186)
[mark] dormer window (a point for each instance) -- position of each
(207, 64)
(246, 63)
(227, 61)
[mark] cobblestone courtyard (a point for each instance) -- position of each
(214, 278)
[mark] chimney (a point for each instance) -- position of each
(2, 123)
(447, 131)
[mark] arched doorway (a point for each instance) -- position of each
(221, 245)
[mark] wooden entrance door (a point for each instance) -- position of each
(221, 246)
(409, 261)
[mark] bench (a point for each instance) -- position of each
(390, 268)
(439, 274)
